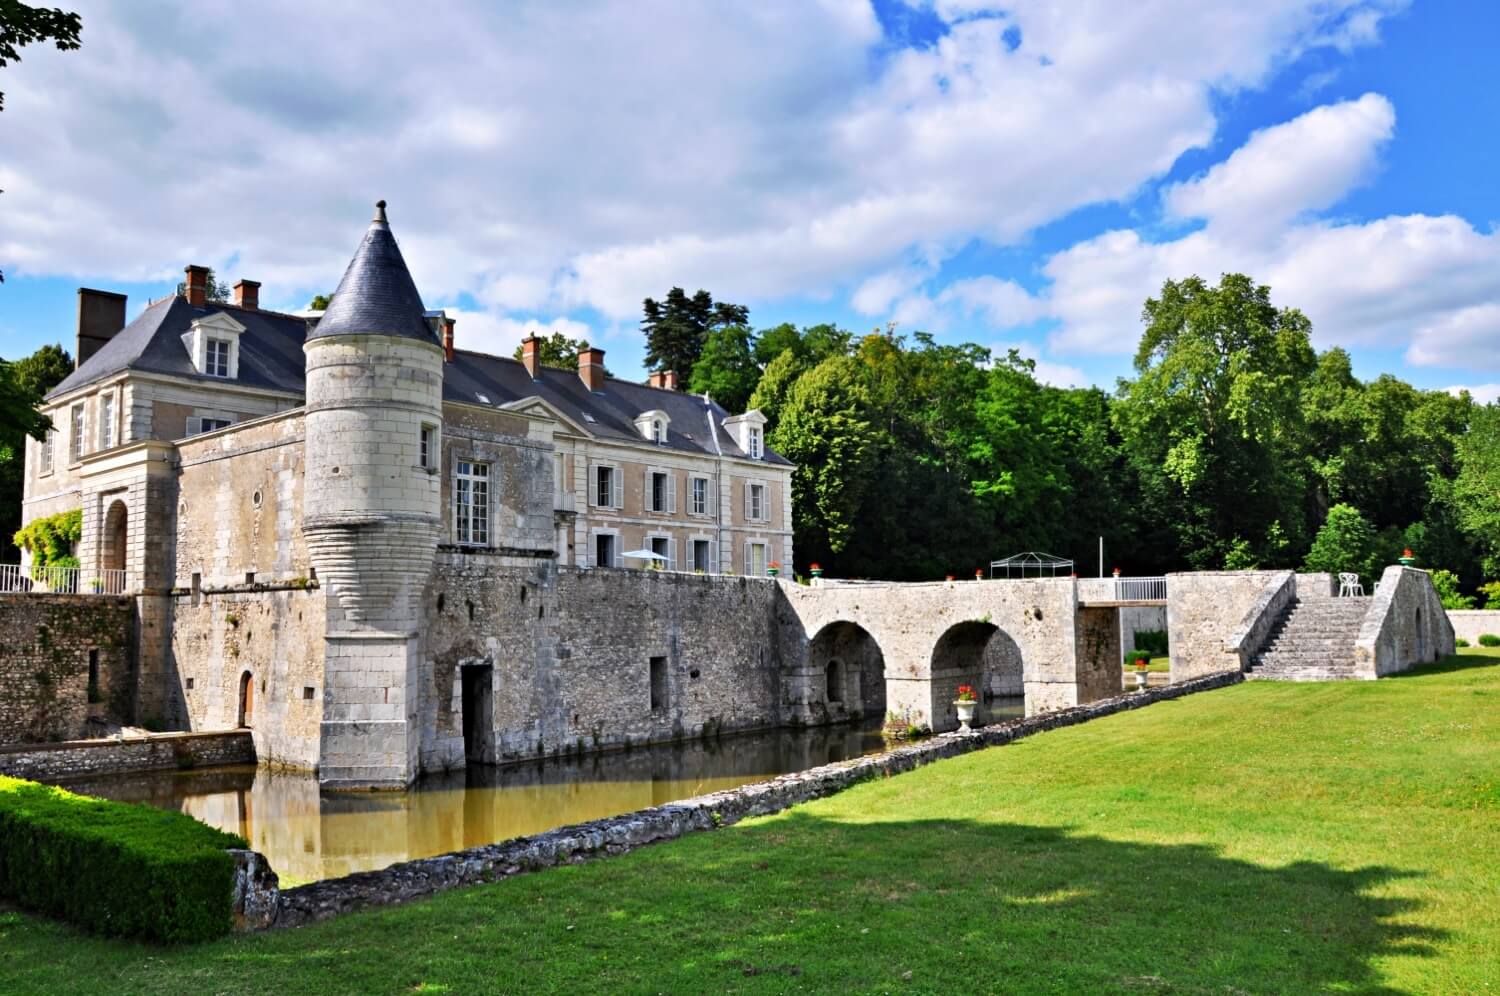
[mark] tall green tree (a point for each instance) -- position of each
(726, 369)
(1212, 419)
(1344, 543)
(22, 386)
(677, 327)
(1475, 493)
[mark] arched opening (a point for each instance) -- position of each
(986, 658)
(112, 554)
(852, 671)
(247, 700)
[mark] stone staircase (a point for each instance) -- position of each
(1313, 641)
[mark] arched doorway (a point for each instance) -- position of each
(988, 659)
(247, 699)
(846, 674)
(113, 550)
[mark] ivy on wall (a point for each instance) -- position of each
(51, 540)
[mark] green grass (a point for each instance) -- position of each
(1262, 838)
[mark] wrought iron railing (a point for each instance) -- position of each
(29, 579)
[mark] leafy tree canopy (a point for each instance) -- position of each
(22, 24)
(1344, 543)
(677, 328)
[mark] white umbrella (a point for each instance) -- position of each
(644, 555)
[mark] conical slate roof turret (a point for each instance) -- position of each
(377, 295)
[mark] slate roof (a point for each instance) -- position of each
(377, 293)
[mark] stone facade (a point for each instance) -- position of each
(82, 759)
(53, 646)
(1405, 625)
(1214, 618)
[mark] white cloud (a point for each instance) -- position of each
(484, 332)
(1045, 371)
(1002, 303)
(1469, 337)
(1484, 394)
(555, 157)
(1306, 164)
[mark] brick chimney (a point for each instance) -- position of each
(100, 315)
(247, 294)
(448, 324)
(531, 355)
(653, 379)
(669, 379)
(591, 367)
(196, 285)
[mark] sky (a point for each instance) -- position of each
(1021, 176)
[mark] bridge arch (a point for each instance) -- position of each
(845, 673)
(983, 656)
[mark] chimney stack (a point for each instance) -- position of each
(531, 355)
(591, 367)
(448, 324)
(247, 294)
(669, 379)
(196, 285)
(100, 315)
(653, 379)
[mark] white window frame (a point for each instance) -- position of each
(76, 425)
(763, 514)
(429, 448)
(216, 354)
(671, 553)
(692, 559)
(471, 503)
(749, 564)
(658, 432)
(614, 547)
(694, 507)
(616, 498)
(108, 414)
(47, 451)
(197, 425)
(757, 444)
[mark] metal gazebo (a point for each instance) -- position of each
(1031, 565)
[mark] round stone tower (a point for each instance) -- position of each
(371, 513)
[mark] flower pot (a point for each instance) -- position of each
(965, 713)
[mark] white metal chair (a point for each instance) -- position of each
(1350, 585)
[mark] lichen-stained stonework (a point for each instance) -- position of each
(48, 645)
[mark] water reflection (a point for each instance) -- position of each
(310, 835)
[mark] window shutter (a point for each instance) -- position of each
(648, 498)
(593, 484)
(617, 489)
(671, 554)
(747, 502)
(672, 493)
(194, 425)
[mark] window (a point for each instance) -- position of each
(604, 550)
(75, 445)
(755, 503)
(755, 559)
(216, 357)
(471, 503)
(658, 684)
(428, 447)
(701, 561)
(197, 424)
(47, 446)
(606, 488)
(662, 547)
(698, 505)
(107, 420)
(661, 491)
(755, 447)
(658, 431)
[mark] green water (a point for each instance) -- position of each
(310, 835)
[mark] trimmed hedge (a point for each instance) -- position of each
(113, 867)
(1153, 641)
(1489, 640)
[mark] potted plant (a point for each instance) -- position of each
(1140, 671)
(815, 569)
(979, 574)
(1407, 558)
(773, 569)
(948, 577)
(966, 703)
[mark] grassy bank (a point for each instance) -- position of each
(1262, 838)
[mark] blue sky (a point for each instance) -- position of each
(1018, 177)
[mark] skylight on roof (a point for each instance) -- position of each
(587, 417)
(485, 398)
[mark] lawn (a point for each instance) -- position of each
(1262, 838)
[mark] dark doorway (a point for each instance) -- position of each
(479, 706)
(247, 699)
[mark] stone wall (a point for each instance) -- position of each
(1215, 619)
(1135, 618)
(1471, 624)
(49, 643)
(159, 752)
(272, 633)
(1405, 625)
(562, 658)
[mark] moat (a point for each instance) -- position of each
(310, 835)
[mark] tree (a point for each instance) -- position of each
(1213, 422)
(22, 25)
(557, 350)
(1475, 494)
(216, 290)
(1445, 583)
(726, 370)
(22, 385)
(320, 302)
(1344, 543)
(677, 328)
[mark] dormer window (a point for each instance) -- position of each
(749, 433)
(754, 447)
(216, 357)
(213, 342)
(653, 426)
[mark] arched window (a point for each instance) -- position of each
(835, 681)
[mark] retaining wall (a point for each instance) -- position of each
(47, 643)
(158, 752)
(1215, 619)
(1471, 624)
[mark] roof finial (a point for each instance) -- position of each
(380, 211)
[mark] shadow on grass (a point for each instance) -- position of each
(1449, 665)
(815, 904)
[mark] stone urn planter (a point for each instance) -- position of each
(966, 703)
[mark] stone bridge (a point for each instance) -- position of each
(871, 648)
